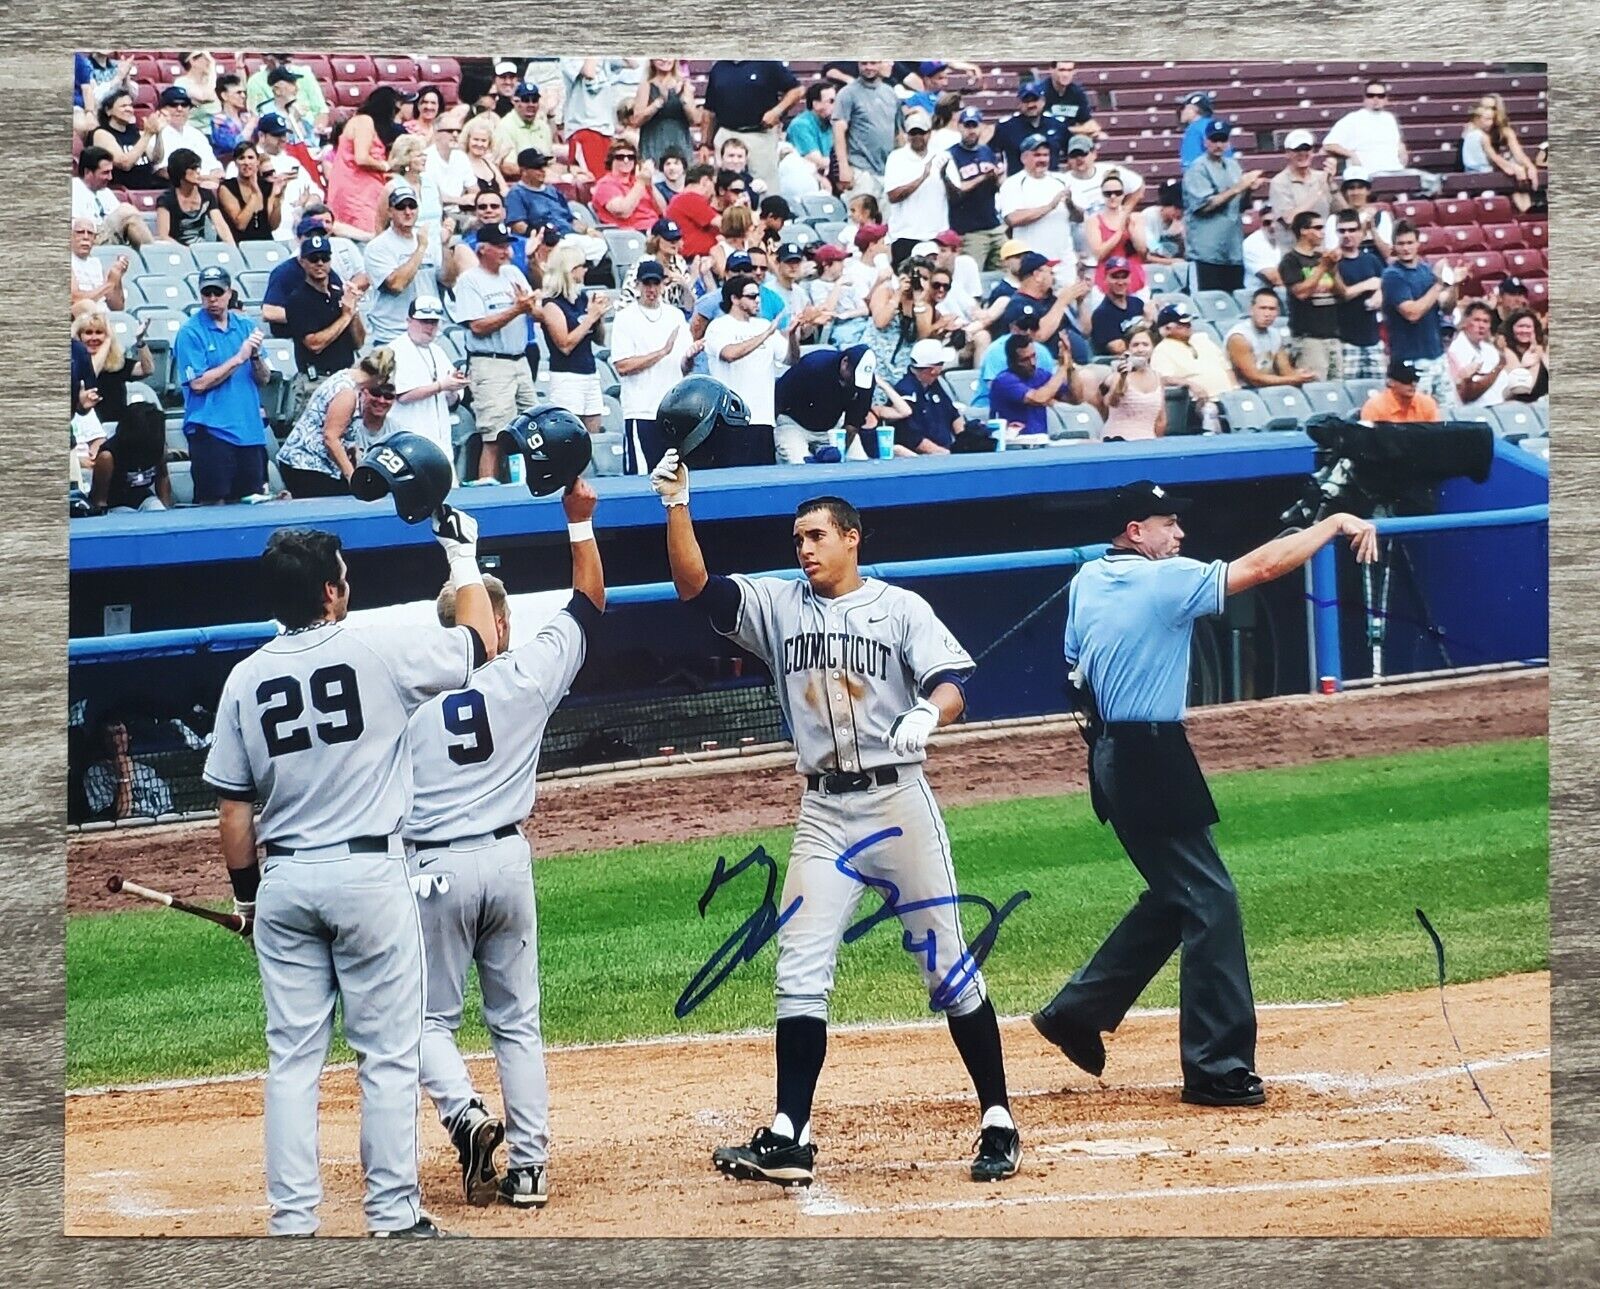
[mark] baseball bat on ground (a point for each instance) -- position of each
(115, 884)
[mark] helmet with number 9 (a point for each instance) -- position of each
(555, 445)
(411, 468)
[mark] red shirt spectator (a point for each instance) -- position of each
(693, 211)
(625, 196)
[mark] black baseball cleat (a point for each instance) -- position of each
(1239, 1087)
(999, 1154)
(524, 1188)
(424, 1229)
(476, 1135)
(768, 1158)
(1080, 1044)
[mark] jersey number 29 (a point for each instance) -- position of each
(333, 693)
(466, 714)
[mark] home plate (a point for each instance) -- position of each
(1107, 1148)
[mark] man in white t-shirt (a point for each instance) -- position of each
(745, 352)
(650, 352)
(449, 166)
(1085, 173)
(913, 183)
(1476, 365)
(426, 383)
(495, 301)
(1370, 138)
(297, 190)
(1034, 205)
(179, 133)
(92, 199)
(403, 262)
(91, 280)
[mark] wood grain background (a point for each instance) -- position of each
(35, 72)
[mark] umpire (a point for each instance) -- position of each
(1130, 618)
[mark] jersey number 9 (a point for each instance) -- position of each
(466, 714)
(333, 693)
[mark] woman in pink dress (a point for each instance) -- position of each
(1136, 401)
(1115, 230)
(360, 166)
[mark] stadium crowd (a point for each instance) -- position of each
(287, 258)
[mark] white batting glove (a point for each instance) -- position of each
(909, 733)
(670, 480)
(457, 533)
(246, 909)
(425, 884)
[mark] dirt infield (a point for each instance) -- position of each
(1371, 1128)
(965, 766)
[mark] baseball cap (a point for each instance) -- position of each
(925, 248)
(505, 67)
(1034, 141)
(1141, 499)
(317, 243)
(1023, 312)
(1032, 262)
(526, 90)
(1354, 175)
(1171, 313)
(1171, 193)
(308, 224)
(1079, 144)
(650, 271)
(930, 353)
(1118, 264)
(931, 68)
(948, 238)
(532, 159)
(829, 253)
(667, 228)
(1218, 129)
(402, 191)
(917, 119)
(496, 234)
(1403, 371)
(272, 123)
(774, 204)
(175, 96)
(970, 116)
(867, 234)
(1011, 246)
(790, 253)
(1197, 98)
(214, 275)
(1514, 285)
(278, 75)
(1031, 89)
(739, 262)
(1299, 139)
(429, 308)
(863, 365)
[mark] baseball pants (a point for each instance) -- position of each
(344, 928)
(1190, 901)
(486, 916)
(913, 867)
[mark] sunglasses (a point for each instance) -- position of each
(382, 396)
(625, 156)
(940, 286)
(750, 295)
(1111, 192)
(738, 192)
(207, 292)
(404, 205)
(1377, 93)
(319, 259)
(489, 209)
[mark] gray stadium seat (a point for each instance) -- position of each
(610, 383)
(1328, 396)
(123, 325)
(822, 206)
(182, 483)
(613, 419)
(265, 256)
(220, 253)
(139, 392)
(1244, 411)
(252, 285)
(1217, 306)
(626, 246)
(962, 382)
(1540, 447)
(1285, 400)
(607, 458)
(109, 255)
(804, 234)
(275, 396)
(1166, 279)
(1074, 421)
(1360, 391)
(1482, 415)
(177, 440)
(166, 292)
(167, 259)
(1516, 418)
(828, 230)
(454, 341)
(1542, 406)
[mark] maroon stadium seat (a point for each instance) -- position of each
(1431, 239)
(1524, 263)
(1538, 293)
(1419, 213)
(353, 67)
(1454, 211)
(1485, 265)
(1503, 236)
(144, 95)
(318, 66)
(1468, 185)
(395, 71)
(1535, 233)
(1494, 210)
(352, 93)
(1461, 238)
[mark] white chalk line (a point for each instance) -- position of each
(659, 1040)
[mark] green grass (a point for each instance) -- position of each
(1330, 860)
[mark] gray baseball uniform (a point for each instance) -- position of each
(474, 759)
(314, 723)
(844, 669)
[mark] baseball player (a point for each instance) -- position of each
(474, 756)
(864, 673)
(1130, 620)
(314, 724)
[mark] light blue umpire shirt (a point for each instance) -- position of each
(1129, 623)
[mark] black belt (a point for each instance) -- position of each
(838, 781)
(499, 834)
(508, 358)
(356, 846)
(1151, 728)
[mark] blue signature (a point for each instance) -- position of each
(765, 922)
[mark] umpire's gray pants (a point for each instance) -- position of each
(1190, 901)
(486, 916)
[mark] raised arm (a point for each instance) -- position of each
(1285, 554)
(588, 576)
(670, 481)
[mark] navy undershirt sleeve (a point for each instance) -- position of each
(720, 601)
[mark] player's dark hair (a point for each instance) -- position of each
(1402, 227)
(1476, 306)
(91, 159)
(1347, 219)
(845, 516)
(141, 437)
(694, 174)
(816, 90)
(1265, 290)
(298, 564)
(735, 286)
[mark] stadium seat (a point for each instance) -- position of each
(353, 67)
(133, 297)
(612, 418)
(252, 286)
(1419, 213)
(1485, 266)
(1541, 409)
(1455, 210)
(1540, 447)
(803, 234)
(1328, 396)
(606, 454)
(1524, 262)
(266, 256)
(109, 255)
(1536, 233)
(276, 394)
(1170, 278)
(1515, 418)
(1538, 294)
(1503, 236)
(828, 230)
(1075, 421)
(182, 483)
(1360, 391)
(1180, 412)
(166, 292)
(167, 259)
(822, 206)
(220, 253)
(1459, 239)
(610, 382)
(123, 325)
(1495, 210)
(1481, 415)
(962, 382)
(1217, 306)
(626, 247)
(352, 94)
(395, 69)
(1285, 400)
(439, 71)
(139, 392)
(1243, 410)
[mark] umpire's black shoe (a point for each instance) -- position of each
(424, 1229)
(768, 1158)
(1240, 1087)
(1081, 1044)
(476, 1135)
(999, 1154)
